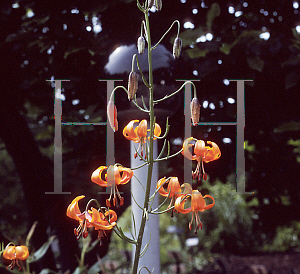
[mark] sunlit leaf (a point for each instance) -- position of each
(74, 50)
(80, 270)
(256, 63)
(296, 34)
(47, 271)
(226, 48)
(212, 14)
(196, 52)
(95, 268)
(291, 79)
(290, 126)
(190, 36)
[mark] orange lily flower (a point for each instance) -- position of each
(74, 212)
(115, 175)
(15, 253)
(90, 218)
(197, 204)
(100, 221)
(202, 154)
(139, 134)
(173, 190)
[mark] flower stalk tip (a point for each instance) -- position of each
(112, 115)
(177, 47)
(141, 44)
(132, 85)
(195, 111)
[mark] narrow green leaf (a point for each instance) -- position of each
(41, 251)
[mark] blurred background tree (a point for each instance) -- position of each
(73, 40)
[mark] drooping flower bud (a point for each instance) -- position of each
(141, 45)
(132, 85)
(177, 47)
(158, 5)
(195, 111)
(150, 3)
(112, 115)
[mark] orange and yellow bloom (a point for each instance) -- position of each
(198, 204)
(202, 154)
(115, 175)
(139, 134)
(173, 189)
(90, 218)
(15, 253)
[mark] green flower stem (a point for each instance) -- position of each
(90, 201)
(145, 30)
(142, 27)
(133, 168)
(172, 94)
(178, 29)
(140, 70)
(141, 8)
(144, 267)
(166, 131)
(112, 93)
(161, 212)
(150, 156)
(169, 156)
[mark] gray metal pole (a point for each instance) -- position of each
(152, 257)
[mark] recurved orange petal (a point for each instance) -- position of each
(112, 215)
(129, 132)
(179, 206)
(127, 174)
(9, 252)
(96, 176)
(197, 202)
(186, 145)
(200, 150)
(142, 129)
(22, 252)
(213, 153)
(160, 188)
(101, 223)
(157, 131)
(73, 210)
(174, 187)
(210, 205)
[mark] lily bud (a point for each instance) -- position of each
(177, 47)
(112, 115)
(132, 85)
(141, 45)
(150, 3)
(158, 4)
(195, 111)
